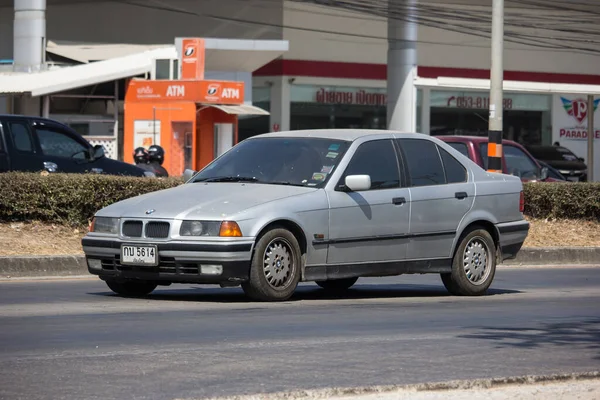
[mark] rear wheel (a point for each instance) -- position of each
(131, 288)
(473, 266)
(336, 285)
(275, 268)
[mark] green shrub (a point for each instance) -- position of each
(563, 200)
(73, 199)
(68, 198)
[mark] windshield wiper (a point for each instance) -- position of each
(229, 179)
(285, 183)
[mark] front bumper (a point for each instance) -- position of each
(178, 261)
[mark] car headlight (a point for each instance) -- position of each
(105, 225)
(200, 228)
(210, 228)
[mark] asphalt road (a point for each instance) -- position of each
(76, 340)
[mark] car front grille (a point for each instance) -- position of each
(132, 228)
(167, 265)
(157, 230)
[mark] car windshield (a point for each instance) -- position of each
(552, 153)
(277, 160)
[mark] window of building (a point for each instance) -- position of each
(59, 144)
(377, 159)
(455, 172)
(526, 117)
(423, 161)
(21, 137)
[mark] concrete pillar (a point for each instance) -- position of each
(29, 35)
(280, 104)
(401, 66)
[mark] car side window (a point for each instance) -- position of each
(424, 163)
(455, 171)
(461, 147)
(518, 163)
(377, 159)
(21, 136)
(59, 144)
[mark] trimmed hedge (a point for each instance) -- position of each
(70, 199)
(563, 200)
(73, 199)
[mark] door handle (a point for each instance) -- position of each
(398, 200)
(460, 195)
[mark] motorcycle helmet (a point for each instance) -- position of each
(141, 156)
(156, 153)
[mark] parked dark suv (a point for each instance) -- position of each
(33, 144)
(564, 160)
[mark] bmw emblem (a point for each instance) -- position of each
(148, 212)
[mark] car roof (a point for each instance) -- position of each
(35, 117)
(340, 134)
(474, 139)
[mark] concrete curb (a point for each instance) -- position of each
(556, 256)
(422, 387)
(26, 266)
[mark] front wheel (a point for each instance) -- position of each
(131, 288)
(336, 285)
(275, 268)
(473, 266)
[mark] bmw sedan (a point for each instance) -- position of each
(328, 206)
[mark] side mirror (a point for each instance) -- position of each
(188, 174)
(98, 152)
(581, 159)
(356, 183)
(544, 173)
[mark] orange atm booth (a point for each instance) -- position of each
(193, 119)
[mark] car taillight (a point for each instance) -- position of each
(522, 202)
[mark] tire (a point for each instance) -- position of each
(337, 285)
(275, 267)
(473, 265)
(131, 288)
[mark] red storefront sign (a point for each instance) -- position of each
(358, 97)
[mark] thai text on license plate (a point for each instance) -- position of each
(139, 255)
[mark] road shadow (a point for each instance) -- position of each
(582, 334)
(305, 293)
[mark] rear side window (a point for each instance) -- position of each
(423, 161)
(455, 172)
(461, 147)
(21, 136)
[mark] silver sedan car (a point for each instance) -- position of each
(328, 206)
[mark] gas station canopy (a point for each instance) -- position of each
(108, 62)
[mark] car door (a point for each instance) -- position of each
(21, 146)
(370, 225)
(440, 195)
(61, 149)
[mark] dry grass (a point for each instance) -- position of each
(44, 239)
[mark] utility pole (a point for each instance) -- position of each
(591, 137)
(496, 78)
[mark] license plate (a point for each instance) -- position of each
(573, 178)
(139, 255)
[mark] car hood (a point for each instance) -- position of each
(201, 200)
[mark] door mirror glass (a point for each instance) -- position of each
(98, 152)
(188, 174)
(544, 173)
(357, 183)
